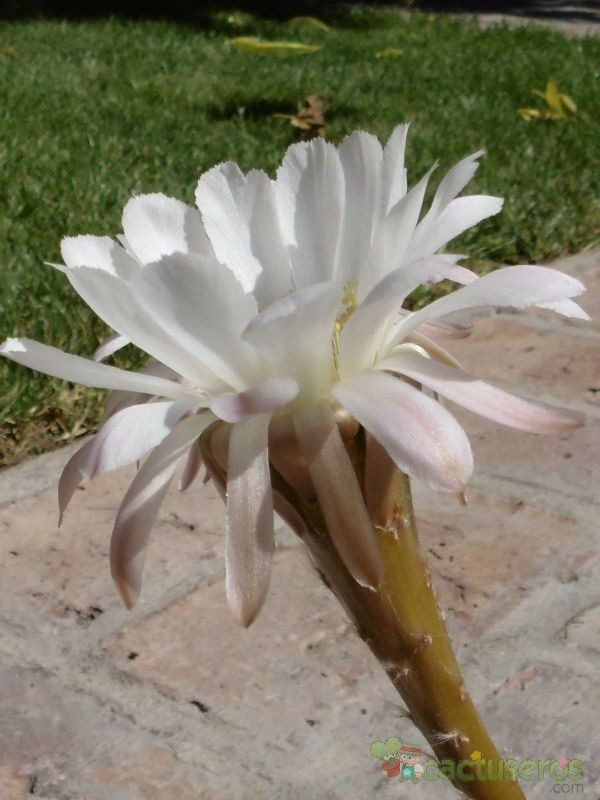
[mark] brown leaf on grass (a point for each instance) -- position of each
(310, 117)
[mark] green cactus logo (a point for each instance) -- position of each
(387, 753)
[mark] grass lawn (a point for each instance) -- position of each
(96, 111)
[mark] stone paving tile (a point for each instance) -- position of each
(64, 745)
(59, 578)
(540, 362)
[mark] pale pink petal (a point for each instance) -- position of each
(249, 544)
(419, 434)
(268, 396)
(289, 515)
(140, 506)
(109, 347)
(118, 400)
(193, 465)
(52, 361)
(567, 308)
(482, 398)
(125, 438)
(381, 484)
(517, 287)
(445, 332)
(339, 494)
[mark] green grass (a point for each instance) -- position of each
(96, 111)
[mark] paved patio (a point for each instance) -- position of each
(571, 17)
(173, 701)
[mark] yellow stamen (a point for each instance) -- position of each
(349, 306)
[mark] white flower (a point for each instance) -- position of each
(274, 302)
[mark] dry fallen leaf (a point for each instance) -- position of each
(307, 22)
(310, 116)
(390, 52)
(558, 105)
(264, 47)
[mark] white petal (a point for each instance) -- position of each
(516, 287)
(339, 494)
(394, 172)
(99, 252)
(394, 235)
(156, 226)
(241, 220)
(310, 202)
(200, 305)
(295, 334)
(52, 361)
(364, 331)
(109, 347)
(140, 505)
(268, 396)
(452, 184)
(249, 545)
(443, 270)
(117, 303)
(458, 216)
(123, 439)
(361, 157)
(423, 439)
(483, 398)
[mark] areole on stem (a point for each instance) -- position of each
(400, 621)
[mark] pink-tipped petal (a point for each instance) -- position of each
(419, 434)
(520, 286)
(193, 465)
(567, 308)
(125, 438)
(339, 494)
(444, 332)
(482, 398)
(249, 545)
(140, 505)
(268, 396)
